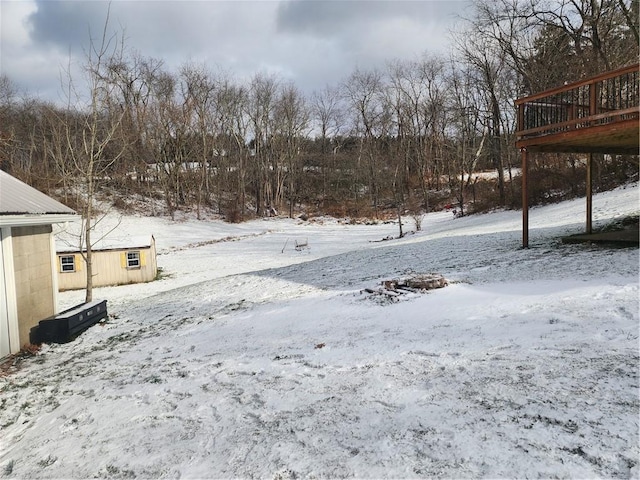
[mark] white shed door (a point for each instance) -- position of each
(5, 347)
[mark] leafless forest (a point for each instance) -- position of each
(401, 139)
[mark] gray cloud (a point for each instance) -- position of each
(366, 33)
(66, 24)
(323, 17)
(310, 42)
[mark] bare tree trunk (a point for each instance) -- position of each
(87, 142)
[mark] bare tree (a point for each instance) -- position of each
(133, 79)
(291, 122)
(363, 91)
(549, 42)
(8, 92)
(421, 110)
(89, 136)
(199, 93)
(489, 68)
(267, 173)
(167, 138)
(327, 111)
(471, 128)
(232, 152)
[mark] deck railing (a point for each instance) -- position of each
(607, 98)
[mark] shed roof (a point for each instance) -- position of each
(18, 198)
(64, 243)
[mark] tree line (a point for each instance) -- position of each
(404, 137)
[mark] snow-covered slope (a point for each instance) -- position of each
(253, 359)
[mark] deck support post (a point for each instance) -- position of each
(589, 192)
(525, 199)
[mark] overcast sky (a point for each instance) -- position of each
(310, 42)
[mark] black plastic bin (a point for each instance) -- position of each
(67, 325)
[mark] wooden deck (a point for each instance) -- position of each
(596, 115)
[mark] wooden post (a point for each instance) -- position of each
(525, 200)
(594, 92)
(589, 191)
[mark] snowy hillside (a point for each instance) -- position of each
(250, 358)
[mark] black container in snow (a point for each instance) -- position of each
(65, 326)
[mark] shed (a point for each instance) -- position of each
(115, 262)
(28, 273)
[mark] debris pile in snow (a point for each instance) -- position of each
(392, 290)
(427, 281)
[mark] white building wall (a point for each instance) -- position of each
(9, 327)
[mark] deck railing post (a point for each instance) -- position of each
(525, 199)
(593, 99)
(521, 125)
(589, 192)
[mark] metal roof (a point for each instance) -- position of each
(64, 243)
(18, 198)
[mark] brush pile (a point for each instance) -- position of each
(395, 289)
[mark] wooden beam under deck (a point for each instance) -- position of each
(616, 138)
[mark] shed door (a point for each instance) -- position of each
(5, 347)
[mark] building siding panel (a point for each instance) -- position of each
(33, 278)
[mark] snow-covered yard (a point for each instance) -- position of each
(253, 359)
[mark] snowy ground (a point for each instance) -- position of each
(252, 359)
